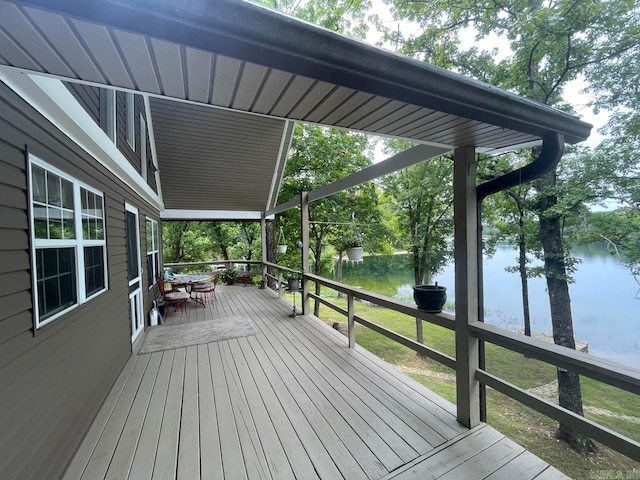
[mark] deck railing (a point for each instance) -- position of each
(620, 376)
(626, 378)
(228, 264)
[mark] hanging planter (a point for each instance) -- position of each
(282, 243)
(430, 298)
(355, 253)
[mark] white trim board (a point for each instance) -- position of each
(56, 103)
(174, 214)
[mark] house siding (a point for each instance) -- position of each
(53, 383)
(88, 97)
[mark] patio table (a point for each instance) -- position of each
(188, 281)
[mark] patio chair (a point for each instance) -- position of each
(207, 289)
(177, 299)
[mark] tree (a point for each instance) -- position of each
(513, 221)
(351, 18)
(423, 208)
(184, 242)
(320, 156)
(551, 43)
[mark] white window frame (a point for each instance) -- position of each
(143, 149)
(130, 106)
(77, 243)
(155, 250)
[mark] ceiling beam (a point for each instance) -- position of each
(227, 215)
(392, 164)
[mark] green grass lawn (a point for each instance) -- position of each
(525, 426)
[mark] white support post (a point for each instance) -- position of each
(466, 285)
(304, 228)
(350, 321)
(279, 283)
(263, 238)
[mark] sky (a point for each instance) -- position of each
(573, 92)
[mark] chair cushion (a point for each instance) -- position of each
(176, 296)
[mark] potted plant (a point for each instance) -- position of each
(282, 242)
(430, 298)
(293, 281)
(353, 246)
(229, 276)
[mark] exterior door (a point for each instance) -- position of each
(134, 270)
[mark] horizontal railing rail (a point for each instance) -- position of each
(610, 373)
(441, 319)
(626, 378)
(227, 263)
(591, 429)
(444, 320)
(278, 277)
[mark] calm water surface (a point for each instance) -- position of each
(606, 312)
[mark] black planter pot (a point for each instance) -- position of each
(294, 284)
(430, 298)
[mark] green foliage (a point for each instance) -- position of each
(208, 241)
(421, 203)
(620, 231)
(228, 276)
(351, 18)
(320, 156)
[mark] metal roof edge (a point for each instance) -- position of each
(256, 34)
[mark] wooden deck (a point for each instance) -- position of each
(290, 402)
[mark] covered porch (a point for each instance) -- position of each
(222, 89)
(291, 401)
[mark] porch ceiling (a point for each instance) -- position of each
(212, 159)
(239, 56)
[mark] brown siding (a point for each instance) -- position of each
(121, 136)
(89, 98)
(52, 383)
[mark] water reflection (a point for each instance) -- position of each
(603, 297)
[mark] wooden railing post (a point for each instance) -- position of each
(304, 228)
(466, 285)
(350, 321)
(419, 331)
(279, 283)
(263, 238)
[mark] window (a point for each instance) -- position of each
(143, 148)
(130, 120)
(108, 113)
(69, 244)
(153, 251)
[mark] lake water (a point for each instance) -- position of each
(606, 312)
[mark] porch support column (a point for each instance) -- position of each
(263, 238)
(304, 228)
(466, 283)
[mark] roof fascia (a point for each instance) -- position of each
(256, 34)
(56, 103)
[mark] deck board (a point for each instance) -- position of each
(291, 401)
(142, 467)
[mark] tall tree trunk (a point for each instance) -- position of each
(178, 247)
(417, 270)
(569, 392)
(522, 266)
